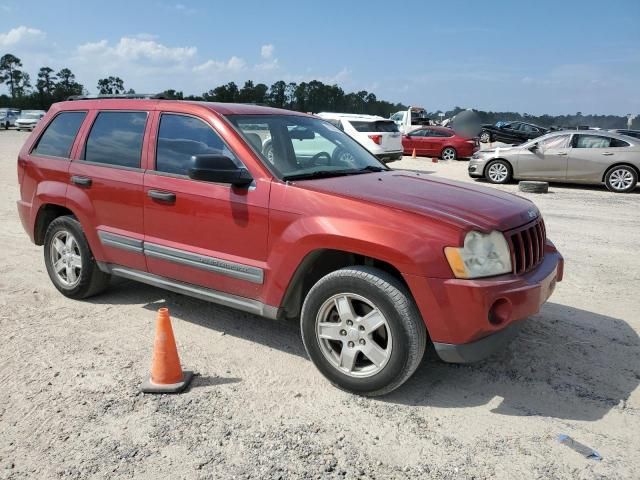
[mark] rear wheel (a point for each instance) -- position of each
(362, 330)
(449, 153)
(498, 171)
(69, 261)
(621, 179)
(485, 137)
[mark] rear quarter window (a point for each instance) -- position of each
(58, 137)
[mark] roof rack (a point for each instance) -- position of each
(155, 96)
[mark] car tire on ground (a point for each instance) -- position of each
(485, 137)
(70, 262)
(621, 179)
(533, 187)
(498, 171)
(343, 157)
(6, 126)
(449, 153)
(362, 330)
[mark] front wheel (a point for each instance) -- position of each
(69, 261)
(485, 137)
(498, 171)
(362, 330)
(449, 153)
(621, 179)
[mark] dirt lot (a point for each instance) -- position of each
(70, 406)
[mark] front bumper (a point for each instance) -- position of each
(468, 320)
(476, 169)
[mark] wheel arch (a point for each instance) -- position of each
(47, 213)
(320, 262)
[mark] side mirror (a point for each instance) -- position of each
(219, 169)
(534, 147)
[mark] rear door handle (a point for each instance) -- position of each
(562, 154)
(81, 181)
(167, 197)
(608, 154)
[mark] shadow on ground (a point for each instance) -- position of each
(565, 363)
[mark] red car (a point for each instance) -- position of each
(439, 142)
(373, 262)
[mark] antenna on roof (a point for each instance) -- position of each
(154, 96)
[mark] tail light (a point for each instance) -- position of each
(377, 139)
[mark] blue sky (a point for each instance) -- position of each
(536, 56)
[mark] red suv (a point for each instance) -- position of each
(372, 261)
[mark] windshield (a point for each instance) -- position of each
(297, 147)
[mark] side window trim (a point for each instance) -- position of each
(82, 148)
(70, 156)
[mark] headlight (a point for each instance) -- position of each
(483, 255)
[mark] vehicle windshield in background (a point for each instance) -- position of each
(297, 147)
(375, 126)
(31, 116)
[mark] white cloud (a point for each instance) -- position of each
(20, 36)
(136, 49)
(266, 51)
(234, 64)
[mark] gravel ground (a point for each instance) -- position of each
(70, 405)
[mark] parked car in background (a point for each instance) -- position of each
(627, 132)
(439, 142)
(29, 119)
(510, 132)
(589, 157)
(410, 119)
(373, 263)
(377, 134)
(8, 117)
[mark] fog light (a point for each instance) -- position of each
(500, 312)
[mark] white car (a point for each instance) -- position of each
(377, 134)
(8, 117)
(29, 119)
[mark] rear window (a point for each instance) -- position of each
(376, 126)
(57, 139)
(116, 139)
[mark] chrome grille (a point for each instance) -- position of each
(527, 246)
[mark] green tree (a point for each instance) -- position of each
(67, 85)
(46, 82)
(9, 70)
(22, 84)
(223, 93)
(278, 94)
(111, 86)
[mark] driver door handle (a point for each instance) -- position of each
(166, 197)
(562, 154)
(607, 154)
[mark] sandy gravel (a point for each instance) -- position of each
(69, 373)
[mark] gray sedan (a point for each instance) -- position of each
(591, 157)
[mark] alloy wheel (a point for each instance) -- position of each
(498, 172)
(354, 335)
(448, 154)
(621, 179)
(66, 258)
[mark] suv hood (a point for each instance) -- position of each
(464, 205)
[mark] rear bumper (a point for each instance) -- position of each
(469, 320)
(389, 156)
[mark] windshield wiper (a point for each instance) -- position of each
(334, 173)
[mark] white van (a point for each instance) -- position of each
(377, 134)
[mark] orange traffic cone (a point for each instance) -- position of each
(166, 373)
(413, 155)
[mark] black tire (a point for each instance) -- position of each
(267, 151)
(485, 137)
(615, 178)
(498, 164)
(533, 187)
(91, 280)
(6, 126)
(395, 303)
(449, 152)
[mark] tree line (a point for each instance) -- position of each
(313, 96)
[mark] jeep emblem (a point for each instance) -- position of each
(532, 214)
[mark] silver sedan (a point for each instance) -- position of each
(588, 157)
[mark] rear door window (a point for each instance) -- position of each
(591, 141)
(57, 139)
(116, 139)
